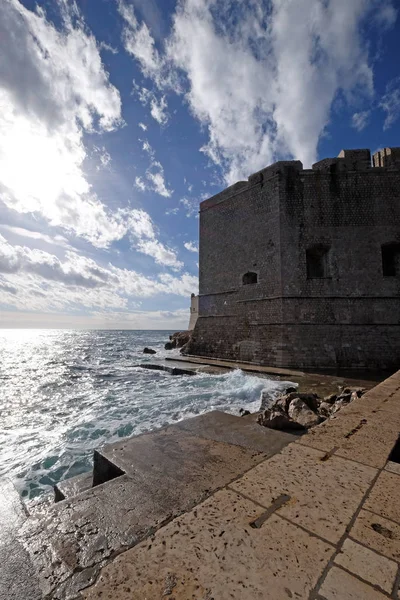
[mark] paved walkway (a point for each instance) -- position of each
(320, 520)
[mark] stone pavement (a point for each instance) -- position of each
(319, 520)
(138, 485)
(18, 580)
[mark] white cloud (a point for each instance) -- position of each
(143, 126)
(360, 120)
(103, 156)
(147, 148)
(191, 206)
(387, 15)
(158, 110)
(31, 279)
(108, 47)
(191, 246)
(262, 78)
(161, 254)
(140, 184)
(144, 239)
(154, 174)
(172, 211)
(158, 107)
(57, 240)
(56, 90)
(139, 42)
(390, 103)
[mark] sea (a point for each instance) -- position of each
(64, 393)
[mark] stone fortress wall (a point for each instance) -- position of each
(300, 268)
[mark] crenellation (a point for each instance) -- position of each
(388, 158)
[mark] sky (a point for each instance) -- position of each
(118, 117)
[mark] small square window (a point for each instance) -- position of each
(317, 259)
(391, 260)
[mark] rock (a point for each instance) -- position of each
(343, 399)
(149, 351)
(348, 390)
(330, 399)
(339, 404)
(290, 390)
(325, 409)
(267, 398)
(300, 412)
(243, 412)
(169, 346)
(181, 338)
(311, 400)
(282, 403)
(354, 396)
(276, 419)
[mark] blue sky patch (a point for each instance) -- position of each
(118, 117)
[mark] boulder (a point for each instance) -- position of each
(300, 412)
(290, 390)
(331, 398)
(343, 399)
(354, 396)
(281, 403)
(325, 409)
(243, 412)
(180, 338)
(169, 346)
(267, 398)
(149, 351)
(277, 419)
(349, 390)
(312, 400)
(340, 403)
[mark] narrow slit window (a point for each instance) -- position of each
(391, 260)
(249, 278)
(317, 262)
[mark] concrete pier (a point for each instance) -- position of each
(219, 507)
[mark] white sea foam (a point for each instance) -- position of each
(64, 393)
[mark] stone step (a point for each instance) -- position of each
(141, 483)
(73, 486)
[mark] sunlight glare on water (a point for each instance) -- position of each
(64, 393)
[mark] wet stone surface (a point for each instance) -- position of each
(166, 473)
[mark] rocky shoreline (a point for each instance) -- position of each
(301, 411)
(179, 339)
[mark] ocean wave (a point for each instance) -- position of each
(66, 393)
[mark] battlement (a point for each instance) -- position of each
(346, 161)
(388, 158)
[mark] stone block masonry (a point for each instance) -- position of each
(300, 268)
(319, 520)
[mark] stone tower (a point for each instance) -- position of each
(300, 267)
